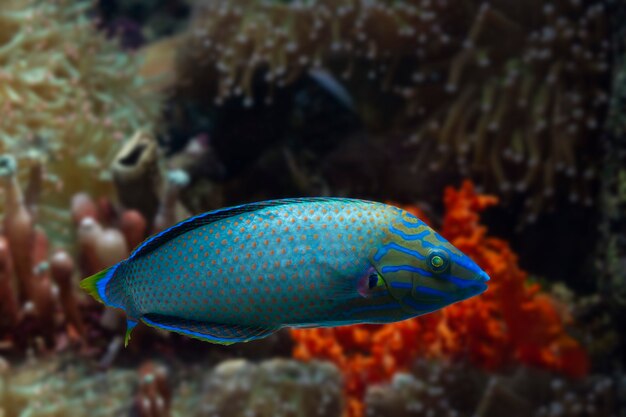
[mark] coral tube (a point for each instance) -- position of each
(171, 211)
(134, 227)
(43, 296)
(82, 206)
(137, 176)
(99, 248)
(89, 232)
(18, 228)
(8, 302)
(62, 269)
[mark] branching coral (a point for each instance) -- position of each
(512, 322)
(513, 94)
(68, 96)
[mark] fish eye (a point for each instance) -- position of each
(438, 262)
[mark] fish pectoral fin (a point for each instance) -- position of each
(224, 334)
(345, 283)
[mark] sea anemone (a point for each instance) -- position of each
(68, 96)
(510, 94)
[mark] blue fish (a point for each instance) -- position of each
(241, 273)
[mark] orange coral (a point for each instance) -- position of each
(511, 322)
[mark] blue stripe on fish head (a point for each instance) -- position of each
(422, 270)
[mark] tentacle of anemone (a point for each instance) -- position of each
(528, 87)
(458, 66)
(504, 25)
(468, 52)
(390, 73)
(481, 145)
(16, 42)
(451, 129)
(539, 109)
(548, 178)
(533, 159)
(562, 150)
(496, 148)
(462, 139)
(246, 82)
(513, 149)
(518, 150)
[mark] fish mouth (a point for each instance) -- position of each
(473, 289)
(482, 277)
(477, 285)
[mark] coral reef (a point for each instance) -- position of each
(275, 387)
(64, 386)
(444, 389)
(513, 322)
(237, 388)
(511, 95)
(68, 98)
(25, 283)
(61, 388)
(40, 310)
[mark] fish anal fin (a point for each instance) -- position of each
(130, 325)
(224, 334)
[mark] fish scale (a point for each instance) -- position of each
(241, 273)
(261, 264)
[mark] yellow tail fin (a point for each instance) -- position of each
(90, 284)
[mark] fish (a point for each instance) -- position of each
(241, 273)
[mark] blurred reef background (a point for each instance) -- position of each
(500, 123)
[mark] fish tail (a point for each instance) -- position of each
(105, 288)
(96, 284)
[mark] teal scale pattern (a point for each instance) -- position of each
(269, 268)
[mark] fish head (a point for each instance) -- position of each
(422, 270)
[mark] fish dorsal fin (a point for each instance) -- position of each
(224, 334)
(191, 223)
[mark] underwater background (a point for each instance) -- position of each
(499, 123)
